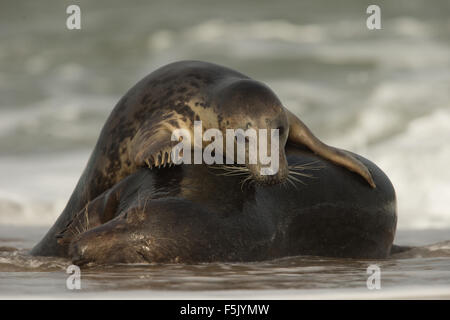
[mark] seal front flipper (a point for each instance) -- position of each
(104, 208)
(152, 144)
(100, 210)
(301, 135)
(123, 239)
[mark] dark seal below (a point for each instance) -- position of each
(190, 214)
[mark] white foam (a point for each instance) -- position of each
(417, 162)
(34, 191)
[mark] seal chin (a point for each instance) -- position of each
(268, 179)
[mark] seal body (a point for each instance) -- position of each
(191, 214)
(138, 132)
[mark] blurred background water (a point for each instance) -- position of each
(381, 93)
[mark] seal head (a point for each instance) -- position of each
(249, 104)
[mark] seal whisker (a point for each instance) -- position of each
(231, 170)
(139, 199)
(230, 174)
(301, 174)
(78, 230)
(292, 183)
(300, 168)
(146, 201)
(235, 171)
(234, 167)
(244, 181)
(296, 170)
(307, 166)
(297, 180)
(304, 169)
(86, 213)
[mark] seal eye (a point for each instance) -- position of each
(280, 130)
